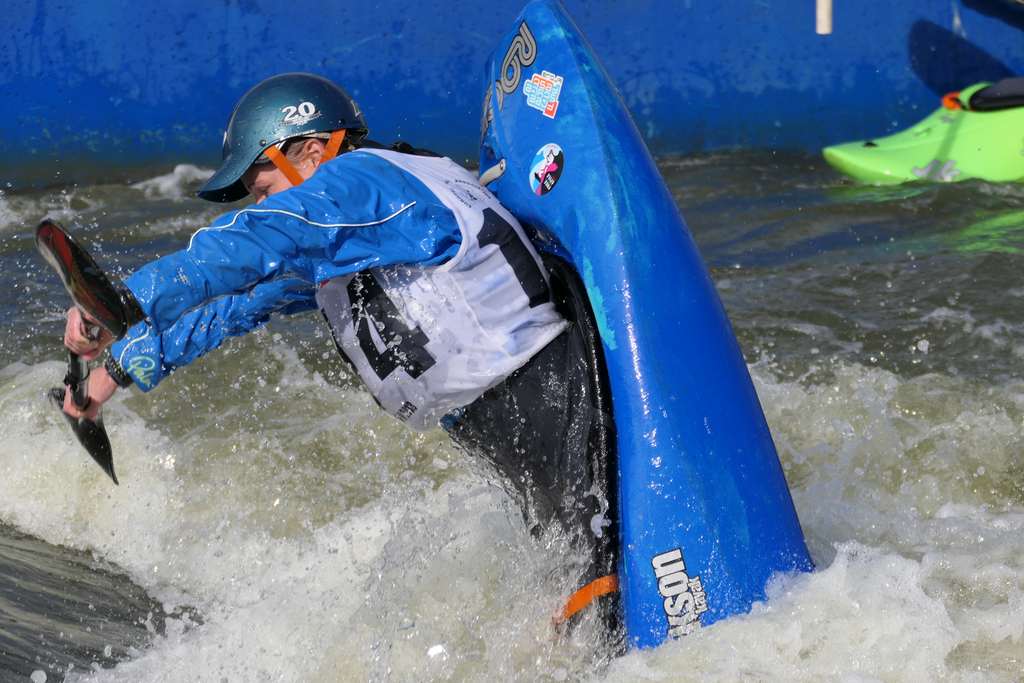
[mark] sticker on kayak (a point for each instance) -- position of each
(542, 91)
(684, 597)
(546, 169)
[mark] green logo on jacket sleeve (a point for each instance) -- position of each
(141, 368)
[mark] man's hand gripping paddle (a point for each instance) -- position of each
(111, 306)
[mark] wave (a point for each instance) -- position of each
(22, 212)
(320, 540)
(178, 184)
(329, 539)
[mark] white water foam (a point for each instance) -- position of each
(294, 575)
(329, 544)
(178, 184)
(22, 212)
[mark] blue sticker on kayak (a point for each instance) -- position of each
(546, 168)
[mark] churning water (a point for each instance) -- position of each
(273, 525)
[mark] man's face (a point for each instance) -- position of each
(263, 180)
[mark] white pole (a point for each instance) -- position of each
(823, 17)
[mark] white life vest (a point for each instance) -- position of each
(427, 340)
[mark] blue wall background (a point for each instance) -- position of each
(104, 88)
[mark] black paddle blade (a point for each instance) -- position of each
(112, 307)
(92, 435)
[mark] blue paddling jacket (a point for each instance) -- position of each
(431, 288)
(357, 212)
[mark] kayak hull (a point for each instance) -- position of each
(706, 517)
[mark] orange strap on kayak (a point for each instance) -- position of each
(588, 594)
(334, 144)
(951, 100)
(283, 165)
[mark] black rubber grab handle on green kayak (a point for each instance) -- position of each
(113, 307)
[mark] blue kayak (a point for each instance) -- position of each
(705, 517)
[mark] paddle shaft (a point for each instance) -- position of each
(78, 380)
(78, 372)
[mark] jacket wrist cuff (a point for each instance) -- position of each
(117, 373)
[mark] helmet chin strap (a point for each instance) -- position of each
(294, 177)
(333, 145)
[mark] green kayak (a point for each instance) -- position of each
(978, 132)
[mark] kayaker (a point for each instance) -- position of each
(432, 290)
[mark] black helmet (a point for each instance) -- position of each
(277, 109)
